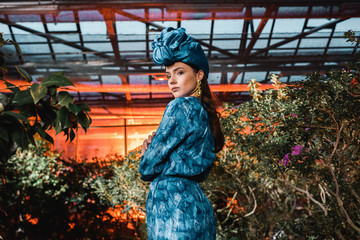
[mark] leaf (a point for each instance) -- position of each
(72, 135)
(65, 98)
(11, 87)
(23, 97)
(74, 108)
(57, 79)
(52, 91)
(38, 91)
(57, 126)
(84, 107)
(17, 48)
(16, 115)
(4, 134)
(84, 121)
(64, 118)
(25, 74)
(49, 138)
(30, 136)
(19, 136)
(40, 130)
(47, 115)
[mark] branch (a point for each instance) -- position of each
(336, 194)
(351, 94)
(7, 88)
(355, 194)
(255, 205)
(309, 195)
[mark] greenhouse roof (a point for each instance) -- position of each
(105, 46)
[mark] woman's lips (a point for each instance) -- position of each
(174, 89)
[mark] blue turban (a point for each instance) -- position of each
(174, 45)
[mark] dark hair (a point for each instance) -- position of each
(208, 102)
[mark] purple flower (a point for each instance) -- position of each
(285, 160)
(307, 129)
(296, 150)
(294, 115)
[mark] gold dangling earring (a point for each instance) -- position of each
(198, 89)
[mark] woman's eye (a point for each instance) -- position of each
(180, 72)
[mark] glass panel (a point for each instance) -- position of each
(61, 48)
(37, 26)
(68, 37)
(29, 38)
(259, 76)
(69, 57)
(24, 18)
(238, 79)
(132, 56)
(340, 51)
(130, 27)
(267, 28)
(93, 28)
(166, 24)
(100, 47)
(314, 42)
(67, 16)
(347, 25)
(228, 44)
(261, 43)
(4, 28)
(228, 26)
(295, 78)
(136, 12)
(34, 48)
(279, 52)
(90, 15)
(61, 26)
(309, 52)
(95, 37)
(111, 79)
(196, 26)
(214, 78)
(132, 46)
(289, 25)
(292, 44)
(139, 79)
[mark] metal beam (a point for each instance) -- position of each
(55, 39)
(298, 36)
(160, 28)
(255, 36)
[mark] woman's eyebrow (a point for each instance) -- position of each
(176, 69)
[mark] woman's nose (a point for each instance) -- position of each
(172, 80)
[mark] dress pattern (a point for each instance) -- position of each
(178, 158)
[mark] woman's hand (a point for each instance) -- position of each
(147, 142)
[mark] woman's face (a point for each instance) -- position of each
(182, 79)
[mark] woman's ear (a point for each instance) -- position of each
(200, 75)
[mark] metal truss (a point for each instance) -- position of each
(231, 64)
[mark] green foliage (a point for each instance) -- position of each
(123, 187)
(38, 108)
(45, 197)
(298, 147)
(125, 183)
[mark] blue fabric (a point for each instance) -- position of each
(174, 45)
(179, 156)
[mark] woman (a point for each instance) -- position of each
(182, 151)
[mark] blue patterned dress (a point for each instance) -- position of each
(179, 156)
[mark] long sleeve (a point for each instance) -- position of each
(173, 129)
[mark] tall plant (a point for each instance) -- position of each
(36, 109)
